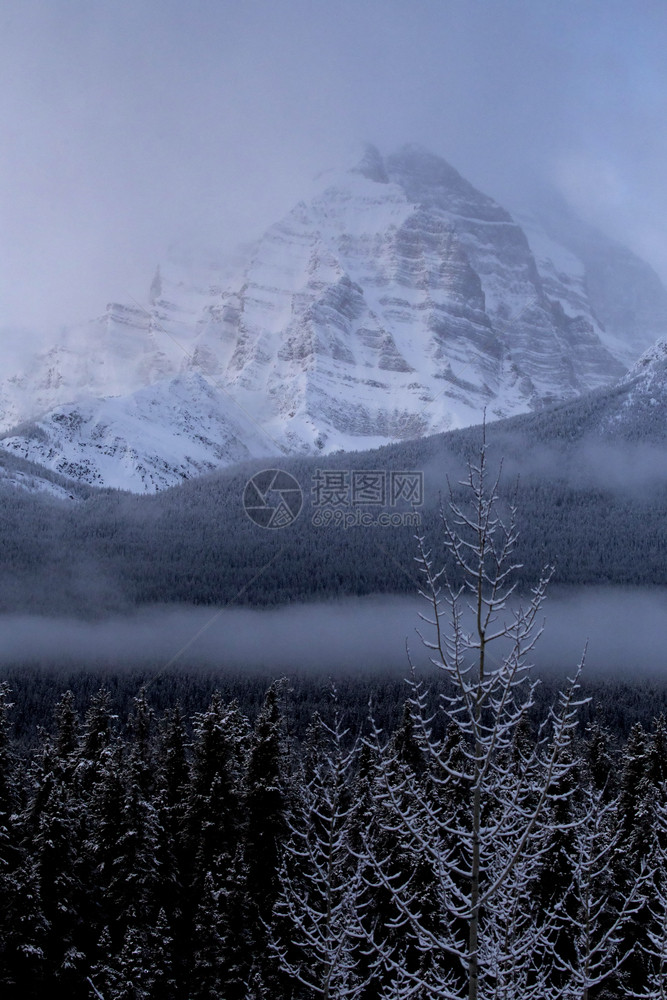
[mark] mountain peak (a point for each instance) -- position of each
(425, 176)
(371, 165)
(397, 302)
(430, 181)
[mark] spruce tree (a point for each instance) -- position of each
(171, 791)
(23, 928)
(253, 880)
(265, 805)
(318, 911)
(205, 976)
(214, 804)
(600, 760)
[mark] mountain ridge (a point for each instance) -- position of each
(398, 302)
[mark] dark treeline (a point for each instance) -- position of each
(195, 545)
(36, 691)
(612, 702)
(112, 551)
(143, 827)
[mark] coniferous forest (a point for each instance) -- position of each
(275, 853)
(475, 834)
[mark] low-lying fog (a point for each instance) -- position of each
(626, 631)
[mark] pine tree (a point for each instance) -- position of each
(214, 827)
(135, 874)
(140, 727)
(23, 927)
(316, 919)
(641, 800)
(600, 760)
(141, 969)
(214, 805)
(173, 774)
(238, 927)
(557, 870)
(53, 833)
(95, 739)
(265, 804)
(654, 941)
(56, 850)
(251, 884)
(25, 934)
(102, 972)
(602, 913)
(130, 976)
(632, 785)
(656, 757)
(171, 792)
(402, 765)
(9, 850)
(206, 973)
(67, 730)
(104, 823)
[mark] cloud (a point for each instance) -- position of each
(634, 468)
(590, 185)
(624, 628)
(127, 127)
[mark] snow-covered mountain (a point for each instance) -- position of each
(17, 474)
(579, 264)
(641, 413)
(159, 435)
(399, 302)
(33, 483)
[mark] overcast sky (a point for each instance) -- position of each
(128, 126)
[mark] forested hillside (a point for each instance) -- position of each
(593, 507)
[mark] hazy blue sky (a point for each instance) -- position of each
(129, 125)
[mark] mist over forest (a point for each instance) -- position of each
(113, 578)
(353, 636)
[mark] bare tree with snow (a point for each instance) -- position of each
(486, 847)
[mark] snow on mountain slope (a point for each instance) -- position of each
(650, 370)
(399, 302)
(26, 477)
(585, 270)
(152, 439)
(402, 302)
(127, 348)
(643, 411)
(35, 484)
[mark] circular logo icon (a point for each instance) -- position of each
(272, 499)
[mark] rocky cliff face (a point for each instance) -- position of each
(399, 302)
